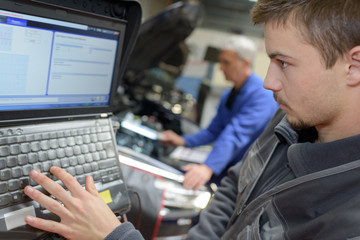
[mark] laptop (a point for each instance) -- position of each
(59, 70)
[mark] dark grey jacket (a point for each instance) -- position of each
(321, 205)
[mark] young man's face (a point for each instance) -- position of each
(310, 94)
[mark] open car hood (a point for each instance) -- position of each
(160, 38)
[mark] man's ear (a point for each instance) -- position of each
(354, 67)
(247, 62)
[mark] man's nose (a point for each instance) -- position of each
(272, 79)
(221, 66)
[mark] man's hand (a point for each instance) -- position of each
(84, 215)
(170, 138)
(196, 175)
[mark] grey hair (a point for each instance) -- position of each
(243, 46)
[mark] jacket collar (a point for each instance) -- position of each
(285, 133)
(305, 156)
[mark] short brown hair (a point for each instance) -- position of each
(332, 26)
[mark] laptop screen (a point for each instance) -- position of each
(47, 63)
(53, 59)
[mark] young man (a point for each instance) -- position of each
(300, 179)
(242, 115)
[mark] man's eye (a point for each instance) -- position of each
(283, 64)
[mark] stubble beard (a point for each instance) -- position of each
(295, 123)
(298, 124)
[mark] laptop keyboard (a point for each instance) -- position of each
(81, 150)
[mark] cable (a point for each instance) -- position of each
(138, 221)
